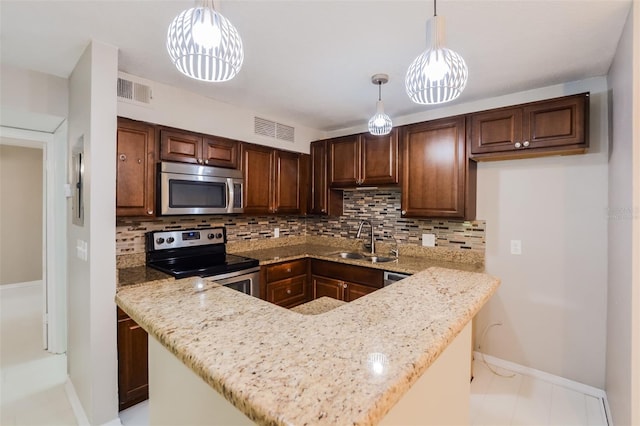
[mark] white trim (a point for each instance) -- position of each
(76, 405)
(114, 422)
(550, 378)
(20, 285)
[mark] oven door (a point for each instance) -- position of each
(246, 281)
(196, 194)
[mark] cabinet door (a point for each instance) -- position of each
(495, 131)
(327, 287)
(289, 292)
(354, 291)
(379, 159)
(557, 122)
(319, 189)
(287, 182)
(344, 162)
(135, 171)
(435, 169)
(220, 152)
(133, 372)
(180, 146)
(257, 166)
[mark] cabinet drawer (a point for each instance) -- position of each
(288, 292)
(284, 270)
(356, 274)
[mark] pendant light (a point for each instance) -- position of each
(439, 74)
(204, 45)
(380, 124)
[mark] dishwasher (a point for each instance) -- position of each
(391, 277)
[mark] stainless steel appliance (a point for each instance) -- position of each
(195, 189)
(392, 277)
(202, 252)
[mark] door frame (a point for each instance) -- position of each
(54, 224)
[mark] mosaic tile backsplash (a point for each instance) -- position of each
(380, 207)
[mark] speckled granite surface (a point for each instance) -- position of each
(310, 369)
(318, 306)
(139, 275)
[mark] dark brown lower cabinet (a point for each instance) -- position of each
(343, 282)
(285, 283)
(133, 368)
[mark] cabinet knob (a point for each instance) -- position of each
(525, 144)
(139, 161)
(403, 212)
(149, 211)
(199, 160)
(122, 157)
(344, 285)
(288, 270)
(206, 161)
(323, 211)
(288, 291)
(518, 145)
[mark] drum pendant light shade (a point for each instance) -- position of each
(380, 124)
(204, 45)
(439, 74)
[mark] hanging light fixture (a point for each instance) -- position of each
(380, 124)
(204, 45)
(439, 74)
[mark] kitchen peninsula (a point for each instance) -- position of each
(350, 365)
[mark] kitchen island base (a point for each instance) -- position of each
(440, 396)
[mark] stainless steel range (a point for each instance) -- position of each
(202, 252)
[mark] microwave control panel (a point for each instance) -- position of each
(163, 240)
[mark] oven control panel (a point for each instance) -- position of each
(163, 240)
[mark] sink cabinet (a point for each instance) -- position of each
(194, 148)
(550, 127)
(135, 170)
(343, 282)
(363, 160)
(133, 368)
(285, 284)
(438, 180)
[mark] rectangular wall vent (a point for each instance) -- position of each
(271, 129)
(135, 92)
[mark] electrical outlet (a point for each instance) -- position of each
(82, 250)
(428, 240)
(516, 247)
(276, 232)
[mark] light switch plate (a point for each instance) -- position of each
(276, 232)
(516, 247)
(428, 240)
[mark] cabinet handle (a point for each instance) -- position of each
(525, 144)
(288, 291)
(149, 211)
(518, 145)
(122, 157)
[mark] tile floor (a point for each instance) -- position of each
(32, 382)
(31, 379)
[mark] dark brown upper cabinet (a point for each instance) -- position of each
(274, 180)
(550, 127)
(322, 200)
(363, 160)
(135, 170)
(194, 148)
(438, 180)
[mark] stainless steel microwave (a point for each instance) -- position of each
(194, 189)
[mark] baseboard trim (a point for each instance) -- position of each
(76, 405)
(20, 285)
(114, 422)
(551, 378)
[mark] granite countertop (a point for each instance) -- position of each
(405, 263)
(310, 369)
(318, 306)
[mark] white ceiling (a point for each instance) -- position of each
(312, 60)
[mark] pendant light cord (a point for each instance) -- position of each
(434, 8)
(379, 90)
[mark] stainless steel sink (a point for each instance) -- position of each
(350, 255)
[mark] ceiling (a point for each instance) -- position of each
(311, 61)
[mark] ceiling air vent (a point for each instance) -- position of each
(134, 92)
(271, 129)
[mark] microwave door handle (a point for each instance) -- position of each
(230, 195)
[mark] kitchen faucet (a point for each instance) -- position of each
(373, 241)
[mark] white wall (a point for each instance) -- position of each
(552, 301)
(92, 356)
(32, 100)
(620, 220)
(178, 108)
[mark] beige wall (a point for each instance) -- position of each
(20, 213)
(620, 221)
